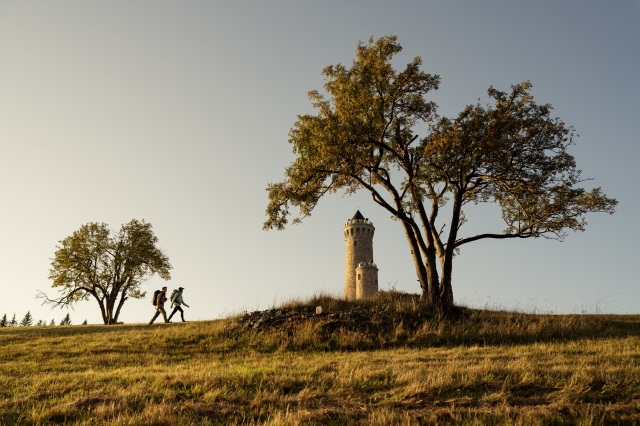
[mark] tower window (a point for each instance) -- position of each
(358, 276)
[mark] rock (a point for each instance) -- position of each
(321, 310)
(265, 318)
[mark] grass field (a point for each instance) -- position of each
(408, 367)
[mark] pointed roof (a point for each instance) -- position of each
(358, 215)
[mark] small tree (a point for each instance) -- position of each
(27, 320)
(107, 266)
(66, 320)
(85, 322)
(4, 321)
(13, 321)
(39, 323)
(52, 322)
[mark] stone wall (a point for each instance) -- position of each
(366, 280)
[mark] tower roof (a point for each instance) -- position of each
(358, 215)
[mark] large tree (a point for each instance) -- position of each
(512, 153)
(108, 266)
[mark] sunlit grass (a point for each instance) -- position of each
(411, 368)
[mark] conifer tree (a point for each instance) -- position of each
(4, 321)
(27, 320)
(13, 322)
(85, 322)
(39, 323)
(52, 322)
(66, 320)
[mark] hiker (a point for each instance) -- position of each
(176, 301)
(159, 298)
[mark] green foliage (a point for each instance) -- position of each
(52, 322)
(13, 322)
(362, 138)
(108, 266)
(352, 142)
(66, 320)
(27, 320)
(515, 154)
(4, 321)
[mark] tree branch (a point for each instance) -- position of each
(494, 236)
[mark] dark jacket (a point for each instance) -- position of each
(160, 301)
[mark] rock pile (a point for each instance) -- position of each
(288, 318)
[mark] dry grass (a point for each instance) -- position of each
(411, 368)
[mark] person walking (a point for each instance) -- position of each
(176, 302)
(161, 298)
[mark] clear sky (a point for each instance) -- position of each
(178, 113)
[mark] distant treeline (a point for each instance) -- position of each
(27, 321)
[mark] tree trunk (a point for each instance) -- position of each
(110, 303)
(429, 253)
(421, 270)
(433, 278)
(446, 292)
(123, 297)
(102, 310)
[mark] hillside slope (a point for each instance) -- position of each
(387, 361)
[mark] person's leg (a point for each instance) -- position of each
(164, 314)
(172, 313)
(182, 313)
(154, 317)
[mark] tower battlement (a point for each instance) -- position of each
(358, 221)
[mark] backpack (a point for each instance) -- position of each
(174, 293)
(155, 297)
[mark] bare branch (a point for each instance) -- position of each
(460, 242)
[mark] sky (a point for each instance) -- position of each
(178, 113)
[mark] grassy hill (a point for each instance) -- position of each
(387, 361)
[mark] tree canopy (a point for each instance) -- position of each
(512, 153)
(107, 266)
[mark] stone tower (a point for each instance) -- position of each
(361, 274)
